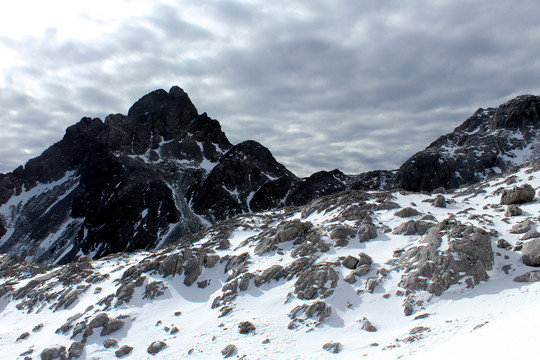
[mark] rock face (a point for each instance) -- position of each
(148, 178)
(487, 143)
(530, 254)
(124, 183)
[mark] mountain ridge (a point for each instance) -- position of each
(163, 171)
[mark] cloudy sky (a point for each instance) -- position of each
(351, 84)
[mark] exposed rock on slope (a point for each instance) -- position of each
(488, 143)
(122, 184)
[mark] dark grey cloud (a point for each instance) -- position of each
(352, 85)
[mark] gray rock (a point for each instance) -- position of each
(112, 326)
(407, 212)
(366, 232)
(503, 244)
(367, 325)
(54, 352)
(521, 227)
(318, 280)
(342, 232)
(350, 278)
(350, 262)
(413, 227)
(154, 290)
(99, 320)
(123, 351)
(211, 260)
(275, 272)
(192, 270)
(319, 310)
(529, 277)
(531, 234)
(530, 254)
(109, 343)
(171, 265)
(246, 327)
(23, 336)
(517, 195)
(364, 259)
(512, 210)
(361, 270)
(229, 350)
(440, 201)
(333, 347)
(76, 350)
(155, 347)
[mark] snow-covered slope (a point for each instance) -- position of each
(382, 275)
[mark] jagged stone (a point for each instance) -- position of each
(517, 195)
(76, 350)
(192, 270)
(275, 272)
(318, 280)
(440, 201)
(342, 232)
(333, 347)
(350, 262)
(100, 320)
(531, 234)
(246, 327)
(229, 350)
(366, 232)
(154, 290)
(367, 325)
(54, 352)
(530, 255)
(521, 227)
(512, 210)
(112, 326)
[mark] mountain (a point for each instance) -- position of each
(378, 274)
(125, 183)
(490, 142)
(164, 171)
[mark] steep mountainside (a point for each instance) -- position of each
(123, 184)
(145, 179)
(488, 143)
(376, 274)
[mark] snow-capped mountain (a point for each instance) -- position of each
(130, 182)
(375, 274)
(163, 171)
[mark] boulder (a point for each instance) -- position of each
(503, 244)
(530, 254)
(529, 277)
(112, 326)
(531, 234)
(246, 327)
(342, 232)
(333, 347)
(54, 353)
(512, 210)
(440, 201)
(521, 227)
(367, 325)
(99, 321)
(123, 351)
(110, 343)
(517, 195)
(407, 212)
(366, 232)
(229, 350)
(156, 347)
(76, 350)
(350, 262)
(318, 280)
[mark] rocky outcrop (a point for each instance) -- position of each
(517, 195)
(485, 144)
(530, 254)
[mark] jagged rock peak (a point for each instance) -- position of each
(489, 142)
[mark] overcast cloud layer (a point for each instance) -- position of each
(354, 85)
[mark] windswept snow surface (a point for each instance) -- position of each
(495, 319)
